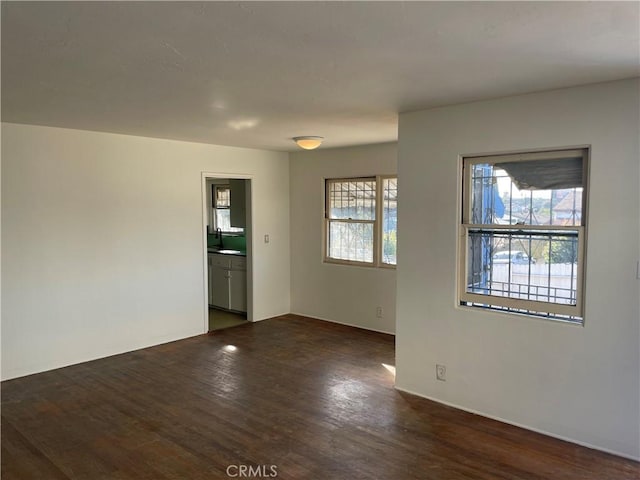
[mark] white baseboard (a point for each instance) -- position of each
(342, 323)
(85, 356)
(519, 425)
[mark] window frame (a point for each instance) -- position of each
(215, 207)
(380, 215)
(534, 308)
(378, 243)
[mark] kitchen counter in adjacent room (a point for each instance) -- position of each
(225, 251)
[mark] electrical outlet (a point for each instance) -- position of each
(441, 373)
(379, 312)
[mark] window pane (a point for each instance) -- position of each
(223, 221)
(352, 199)
(351, 241)
(540, 266)
(223, 197)
(389, 220)
(537, 260)
(496, 198)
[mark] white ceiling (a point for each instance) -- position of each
(255, 74)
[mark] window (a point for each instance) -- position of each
(221, 209)
(359, 228)
(523, 233)
(389, 220)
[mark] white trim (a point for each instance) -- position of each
(248, 235)
(521, 425)
(38, 367)
(341, 323)
(526, 156)
(582, 251)
(511, 315)
(378, 241)
(521, 228)
(380, 215)
(465, 206)
(521, 304)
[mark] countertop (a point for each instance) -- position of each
(225, 251)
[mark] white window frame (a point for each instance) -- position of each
(551, 310)
(380, 215)
(378, 243)
(215, 207)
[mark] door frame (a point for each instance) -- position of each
(248, 234)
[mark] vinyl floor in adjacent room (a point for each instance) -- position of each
(219, 319)
(291, 396)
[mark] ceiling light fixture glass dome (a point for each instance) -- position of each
(308, 143)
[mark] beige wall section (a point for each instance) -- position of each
(580, 383)
(340, 293)
(102, 242)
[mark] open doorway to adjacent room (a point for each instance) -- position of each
(227, 250)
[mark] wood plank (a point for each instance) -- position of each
(310, 397)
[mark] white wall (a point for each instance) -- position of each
(581, 383)
(340, 293)
(102, 242)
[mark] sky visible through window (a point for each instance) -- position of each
(527, 261)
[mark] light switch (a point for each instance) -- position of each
(266, 238)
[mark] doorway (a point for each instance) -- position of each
(227, 252)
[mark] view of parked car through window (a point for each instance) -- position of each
(515, 256)
(523, 225)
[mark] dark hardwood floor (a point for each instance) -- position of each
(310, 398)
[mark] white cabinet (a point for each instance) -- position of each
(238, 284)
(219, 287)
(228, 282)
(238, 290)
(210, 292)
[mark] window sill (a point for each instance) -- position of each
(331, 261)
(512, 314)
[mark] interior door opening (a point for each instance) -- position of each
(227, 250)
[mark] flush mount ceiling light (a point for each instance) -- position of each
(308, 143)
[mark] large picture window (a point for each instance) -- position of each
(361, 220)
(523, 233)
